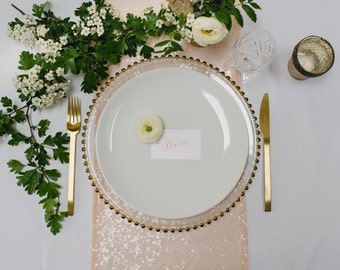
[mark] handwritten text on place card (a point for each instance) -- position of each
(178, 144)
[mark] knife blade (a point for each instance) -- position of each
(265, 130)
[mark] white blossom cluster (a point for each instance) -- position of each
(50, 48)
(26, 33)
(44, 91)
(45, 87)
(33, 34)
(93, 24)
(171, 19)
(186, 30)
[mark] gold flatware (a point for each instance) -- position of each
(265, 130)
(73, 128)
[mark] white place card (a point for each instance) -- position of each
(178, 144)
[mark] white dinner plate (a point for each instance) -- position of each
(208, 129)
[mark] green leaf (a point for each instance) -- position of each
(17, 138)
(225, 18)
(182, 19)
(101, 72)
(90, 81)
(29, 180)
(42, 157)
(176, 46)
(58, 139)
(122, 46)
(146, 51)
(26, 60)
(55, 222)
(250, 12)
(49, 204)
(15, 166)
(43, 127)
(31, 153)
(38, 10)
(177, 36)
(133, 22)
(231, 2)
(6, 102)
(53, 190)
(61, 154)
(238, 16)
(70, 65)
(254, 5)
(52, 174)
(162, 43)
(5, 124)
(19, 116)
(68, 60)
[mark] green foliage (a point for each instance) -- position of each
(34, 174)
(224, 10)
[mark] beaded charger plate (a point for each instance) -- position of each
(201, 165)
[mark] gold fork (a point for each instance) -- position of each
(73, 127)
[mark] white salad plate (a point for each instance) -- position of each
(206, 150)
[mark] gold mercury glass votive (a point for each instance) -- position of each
(312, 57)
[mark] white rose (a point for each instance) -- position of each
(149, 128)
(208, 30)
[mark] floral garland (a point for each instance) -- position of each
(88, 46)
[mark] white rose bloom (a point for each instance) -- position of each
(149, 128)
(208, 30)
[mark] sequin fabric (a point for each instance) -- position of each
(118, 244)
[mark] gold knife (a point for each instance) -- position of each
(265, 130)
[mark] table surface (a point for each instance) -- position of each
(300, 233)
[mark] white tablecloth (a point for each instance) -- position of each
(300, 233)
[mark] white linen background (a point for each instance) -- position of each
(301, 232)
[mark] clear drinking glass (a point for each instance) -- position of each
(253, 51)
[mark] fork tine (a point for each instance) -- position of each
(72, 110)
(78, 113)
(68, 110)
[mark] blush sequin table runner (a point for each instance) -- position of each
(117, 244)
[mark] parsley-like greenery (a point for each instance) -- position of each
(224, 10)
(34, 175)
(87, 46)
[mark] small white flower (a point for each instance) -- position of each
(37, 86)
(208, 30)
(49, 76)
(159, 23)
(190, 20)
(91, 9)
(100, 30)
(85, 31)
(186, 33)
(147, 10)
(90, 23)
(63, 40)
(30, 19)
(170, 18)
(59, 71)
(41, 30)
(97, 20)
(102, 13)
(114, 13)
